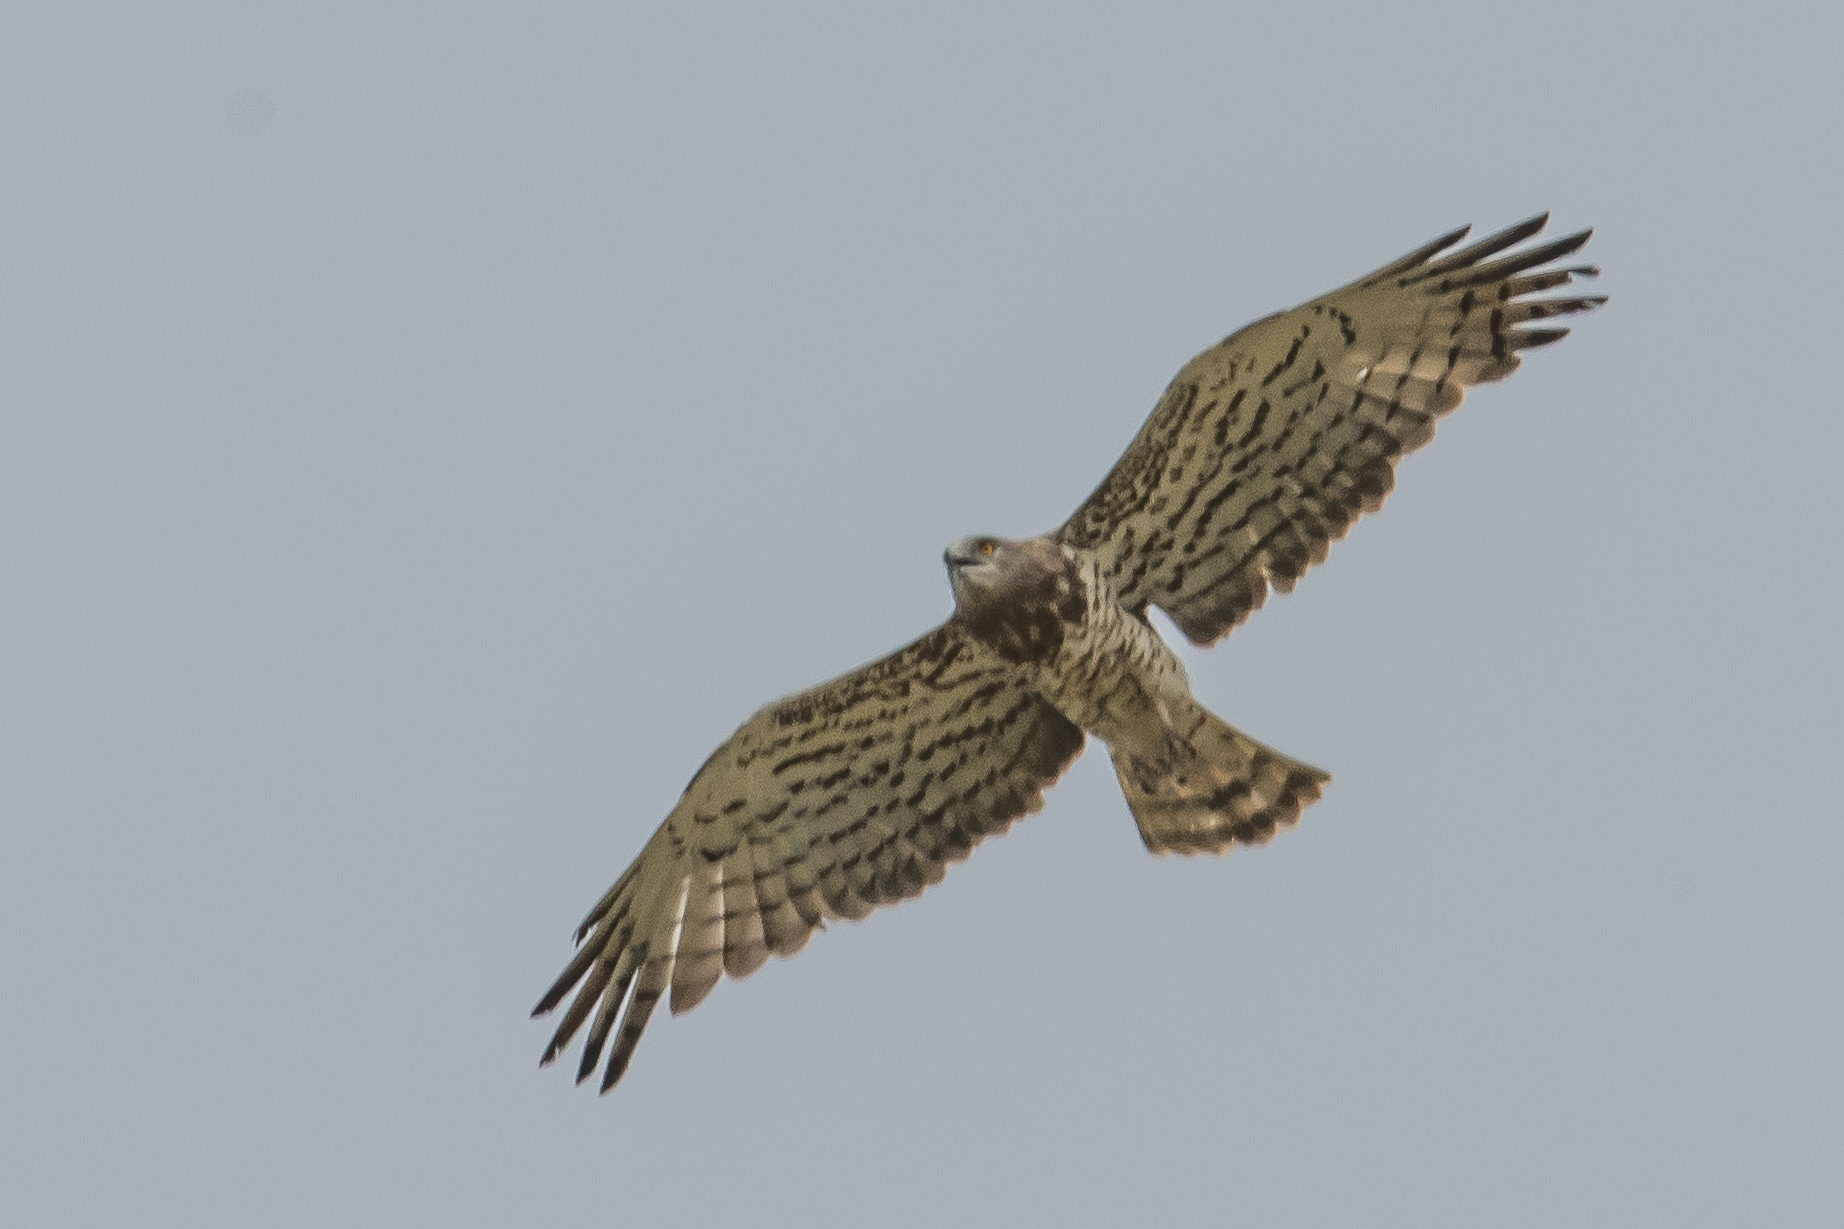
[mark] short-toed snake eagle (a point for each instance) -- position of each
(858, 793)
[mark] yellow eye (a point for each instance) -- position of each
(987, 547)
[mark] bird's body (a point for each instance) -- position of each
(859, 792)
(1114, 675)
(1192, 781)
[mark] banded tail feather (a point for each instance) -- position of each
(1220, 788)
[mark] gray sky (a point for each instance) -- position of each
(427, 434)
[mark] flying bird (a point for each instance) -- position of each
(1260, 454)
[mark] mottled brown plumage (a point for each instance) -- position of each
(858, 793)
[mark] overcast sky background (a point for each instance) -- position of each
(425, 434)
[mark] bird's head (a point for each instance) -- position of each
(976, 567)
(991, 571)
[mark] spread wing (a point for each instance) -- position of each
(827, 804)
(1267, 447)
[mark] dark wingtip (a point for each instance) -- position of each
(1508, 237)
(1526, 339)
(1450, 238)
(1515, 233)
(1574, 242)
(1403, 264)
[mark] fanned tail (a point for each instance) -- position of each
(1218, 789)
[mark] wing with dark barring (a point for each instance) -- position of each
(827, 804)
(1266, 448)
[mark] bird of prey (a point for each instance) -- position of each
(1262, 452)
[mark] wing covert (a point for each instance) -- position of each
(1267, 447)
(827, 804)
